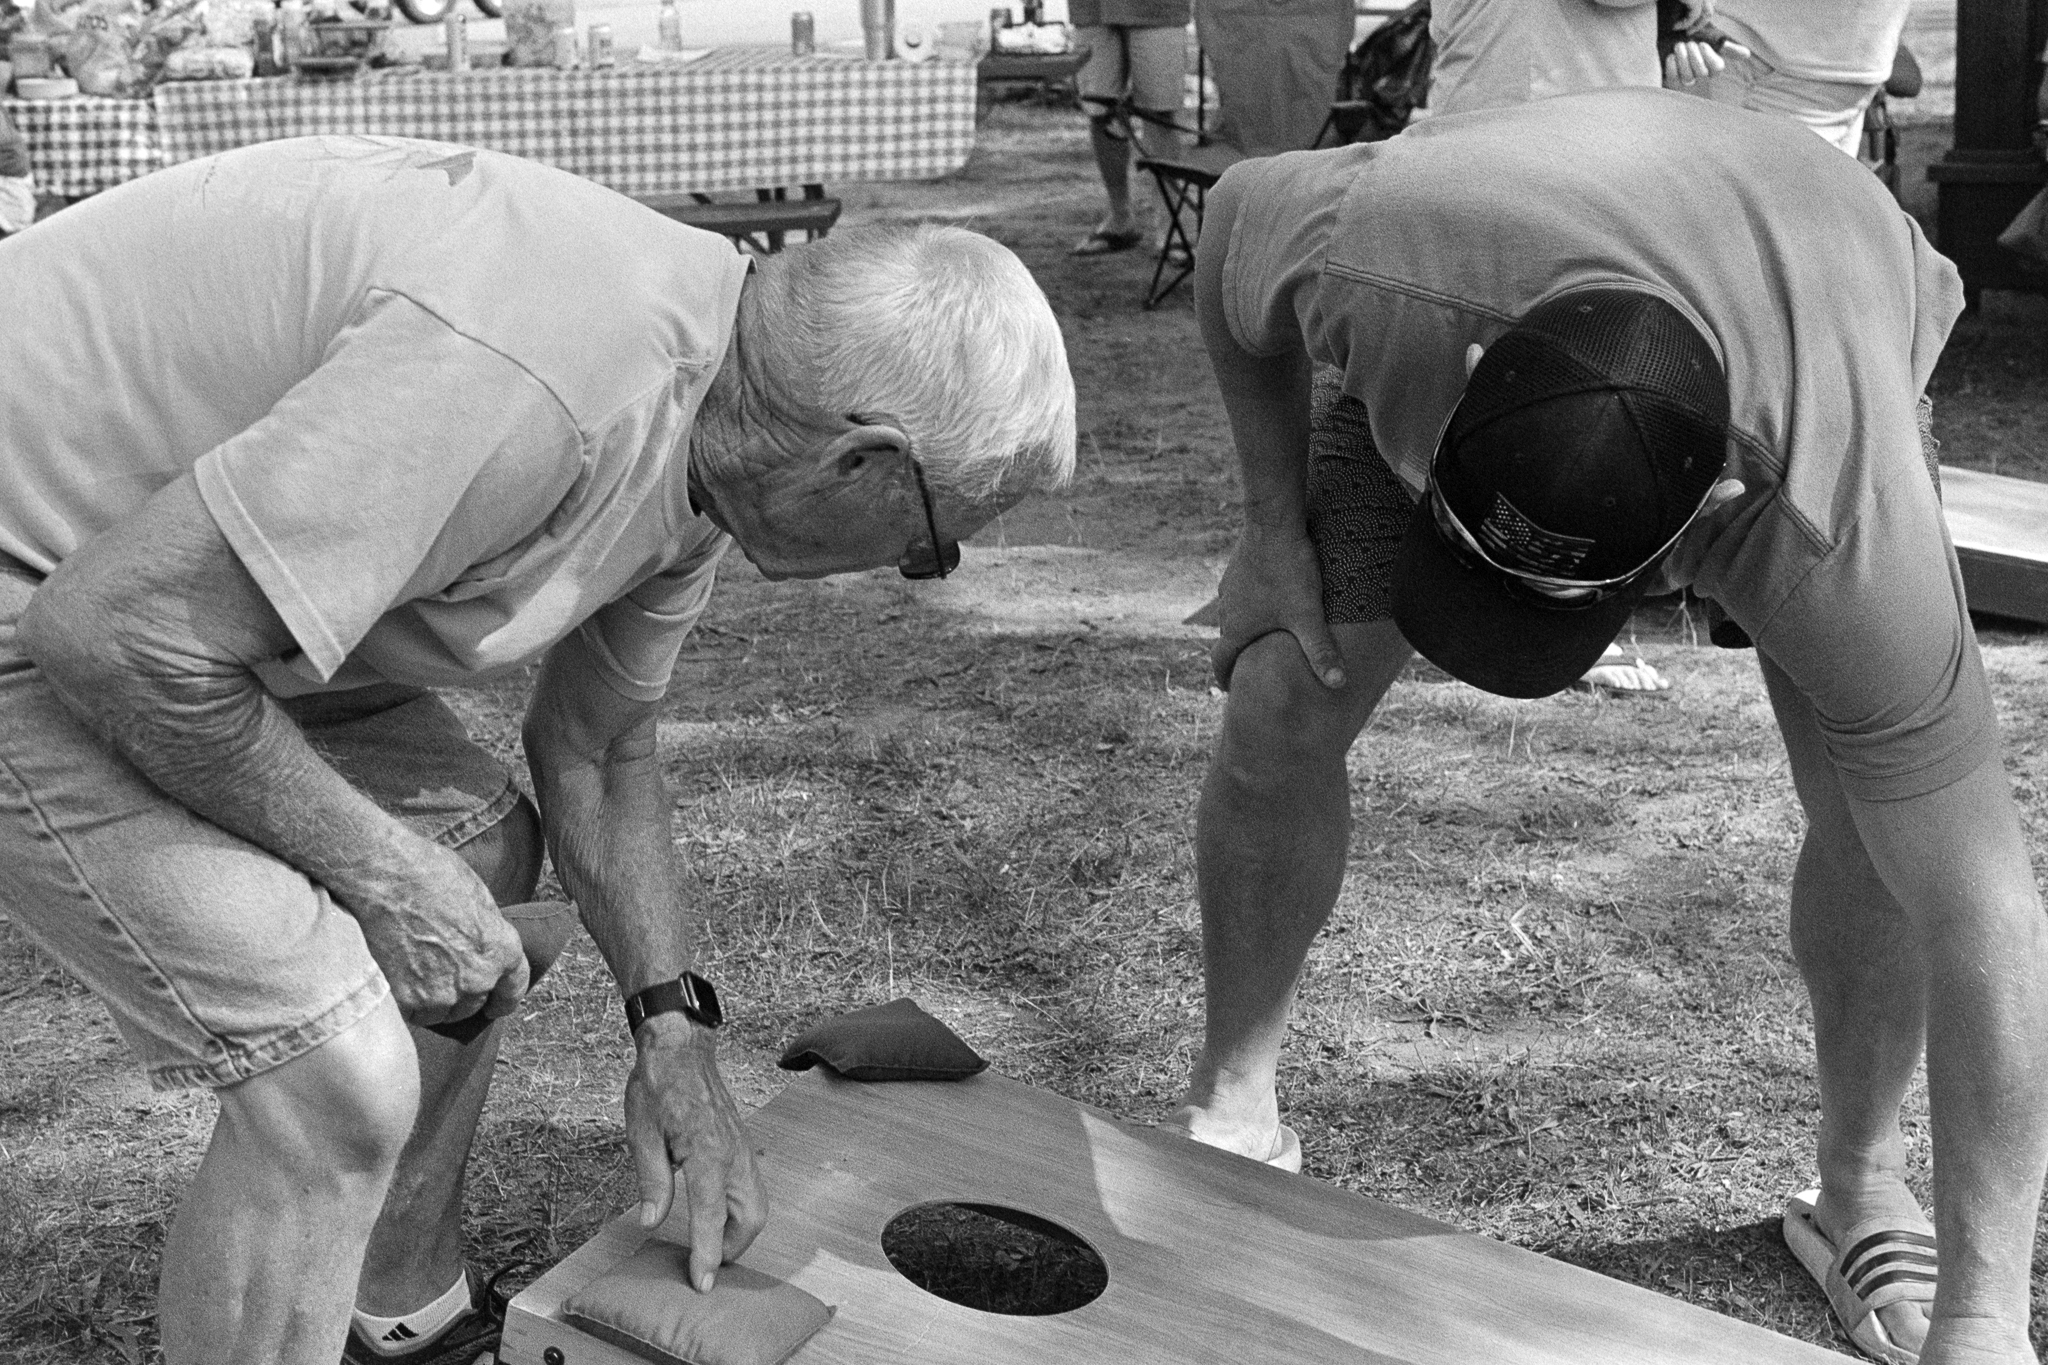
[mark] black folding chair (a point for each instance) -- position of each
(1184, 178)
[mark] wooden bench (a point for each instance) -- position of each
(761, 224)
(2000, 529)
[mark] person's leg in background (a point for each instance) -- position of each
(1104, 82)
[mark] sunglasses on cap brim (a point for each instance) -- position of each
(1542, 590)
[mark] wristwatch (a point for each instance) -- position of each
(689, 995)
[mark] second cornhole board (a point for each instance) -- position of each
(2000, 529)
(1212, 1258)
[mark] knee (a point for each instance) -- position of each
(508, 855)
(1279, 716)
(1104, 118)
(343, 1110)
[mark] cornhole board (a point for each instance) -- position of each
(2000, 529)
(1211, 1257)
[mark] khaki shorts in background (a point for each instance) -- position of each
(216, 960)
(1150, 65)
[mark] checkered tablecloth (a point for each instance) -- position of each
(734, 119)
(85, 144)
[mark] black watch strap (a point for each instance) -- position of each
(689, 995)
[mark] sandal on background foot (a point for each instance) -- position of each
(1617, 674)
(1101, 243)
(1880, 1262)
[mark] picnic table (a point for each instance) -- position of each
(735, 119)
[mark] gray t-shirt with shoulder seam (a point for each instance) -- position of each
(1826, 303)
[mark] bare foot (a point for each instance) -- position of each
(1273, 1143)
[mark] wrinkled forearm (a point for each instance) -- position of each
(203, 731)
(605, 810)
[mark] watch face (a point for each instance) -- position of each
(689, 995)
(700, 1001)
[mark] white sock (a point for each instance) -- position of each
(394, 1336)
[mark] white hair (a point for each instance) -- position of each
(945, 331)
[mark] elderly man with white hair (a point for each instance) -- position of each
(293, 435)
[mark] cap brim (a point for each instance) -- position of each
(1466, 622)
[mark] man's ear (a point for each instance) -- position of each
(853, 449)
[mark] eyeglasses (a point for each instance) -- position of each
(935, 558)
(1555, 594)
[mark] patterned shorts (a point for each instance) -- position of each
(1358, 511)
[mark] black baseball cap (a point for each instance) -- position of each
(1586, 441)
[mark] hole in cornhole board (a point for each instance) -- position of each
(995, 1259)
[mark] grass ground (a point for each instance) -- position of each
(1555, 1003)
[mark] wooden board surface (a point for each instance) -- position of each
(2000, 529)
(1212, 1258)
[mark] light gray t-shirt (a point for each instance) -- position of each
(437, 399)
(1491, 53)
(1826, 304)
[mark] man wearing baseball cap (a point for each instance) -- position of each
(1592, 348)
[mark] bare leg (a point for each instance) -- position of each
(1869, 970)
(415, 1252)
(1114, 142)
(1111, 143)
(1270, 840)
(1865, 974)
(258, 1265)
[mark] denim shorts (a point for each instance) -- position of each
(216, 960)
(1358, 510)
